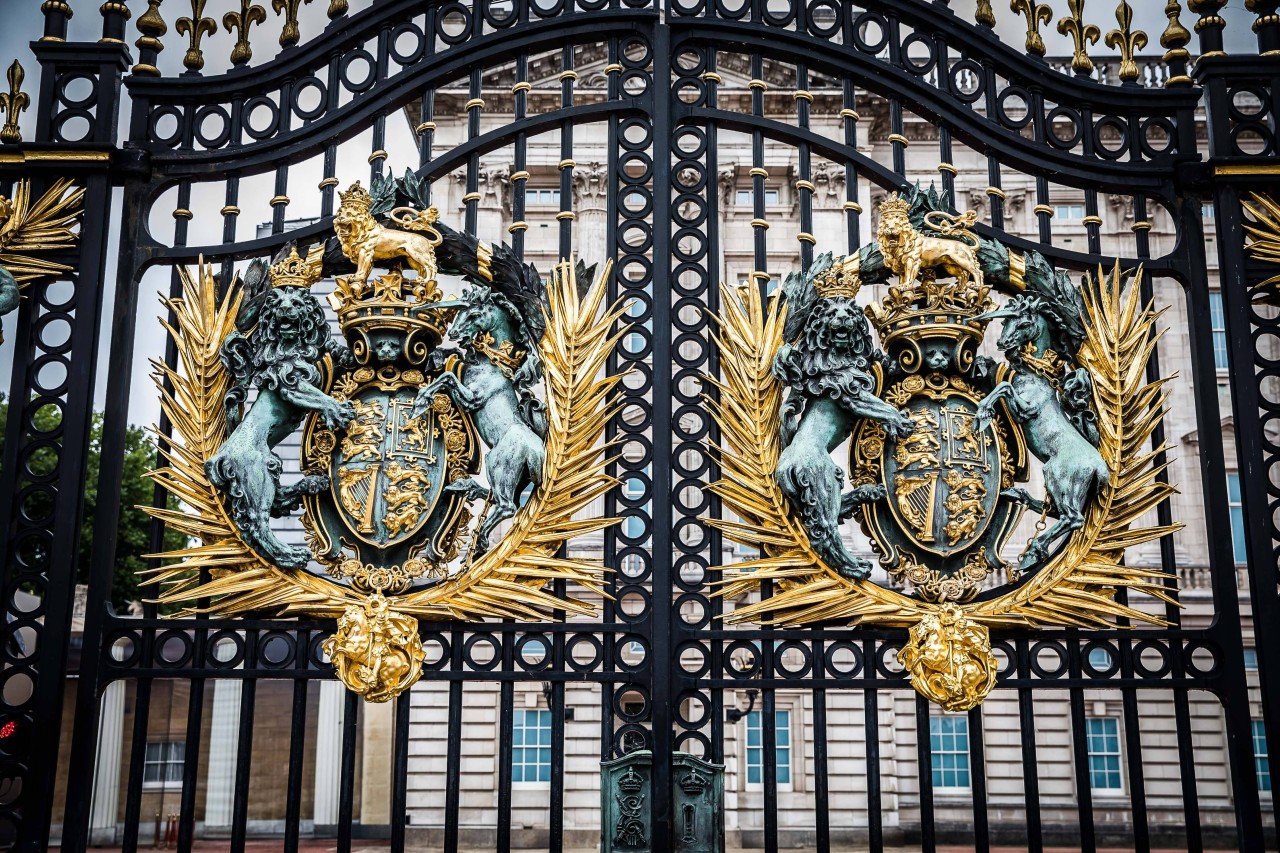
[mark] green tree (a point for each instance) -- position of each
(133, 536)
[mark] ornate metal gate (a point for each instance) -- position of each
(656, 88)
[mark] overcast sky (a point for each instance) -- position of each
(21, 22)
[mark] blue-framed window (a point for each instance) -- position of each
(530, 745)
(1102, 738)
(1099, 658)
(1261, 762)
(1218, 323)
(949, 752)
(1236, 510)
(755, 747)
(1250, 659)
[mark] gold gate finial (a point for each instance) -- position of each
(195, 28)
(13, 103)
(240, 22)
(291, 33)
(1127, 40)
(1037, 14)
(1174, 40)
(1082, 35)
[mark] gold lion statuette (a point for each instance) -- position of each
(376, 651)
(949, 659)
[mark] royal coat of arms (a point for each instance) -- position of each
(941, 439)
(427, 425)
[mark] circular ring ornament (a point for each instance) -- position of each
(1068, 581)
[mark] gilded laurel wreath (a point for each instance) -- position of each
(949, 657)
(507, 581)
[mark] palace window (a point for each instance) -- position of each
(747, 197)
(1261, 762)
(1251, 659)
(1068, 211)
(530, 745)
(1102, 739)
(163, 762)
(542, 197)
(1219, 326)
(1236, 509)
(1099, 658)
(1207, 212)
(755, 747)
(949, 752)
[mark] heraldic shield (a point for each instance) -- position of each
(388, 472)
(942, 480)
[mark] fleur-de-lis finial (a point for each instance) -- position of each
(195, 28)
(984, 14)
(239, 22)
(1127, 40)
(13, 104)
(291, 33)
(1082, 35)
(338, 8)
(1037, 14)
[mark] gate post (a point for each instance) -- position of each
(57, 379)
(1233, 171)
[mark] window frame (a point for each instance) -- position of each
(1117, 754)
(1218, 333)
(1235, 514)
(533, 196)
(935, 753)
(1261, 758)
(518, 728)
(790, 748)
(167, 760)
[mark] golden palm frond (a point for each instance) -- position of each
(1076, 588)
(508, 581)
(1265, 245)
(33, 229)
(805, 589)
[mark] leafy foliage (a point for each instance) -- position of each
(133, 537)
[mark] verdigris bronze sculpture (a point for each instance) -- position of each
(392, 422)
(940, 436)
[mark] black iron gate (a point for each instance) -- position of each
(645, 85)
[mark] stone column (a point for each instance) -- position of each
(329, 720)
(494, 209)
(591, 204)
(106, 773)
(828, 208)
(224, 739)
(378, 727)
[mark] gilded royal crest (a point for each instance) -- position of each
(426, 425)
(941, 439)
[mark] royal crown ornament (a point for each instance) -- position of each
(397, 420)
(297, 271)
(942, 442)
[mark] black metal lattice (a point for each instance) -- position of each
(662, 109)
